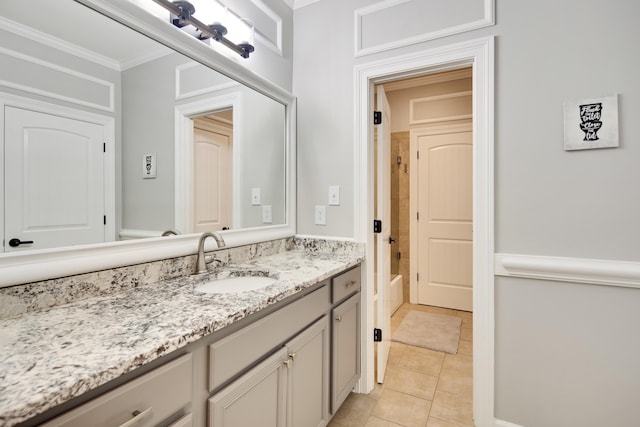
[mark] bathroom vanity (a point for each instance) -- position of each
(119, 333)
(286, 354)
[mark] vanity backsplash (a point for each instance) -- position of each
(21, 299)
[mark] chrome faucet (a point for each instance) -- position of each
(201, 262)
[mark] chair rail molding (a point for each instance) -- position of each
(566, 269)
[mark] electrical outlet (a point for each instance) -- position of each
(267, 217)
(255, 196)
(321, 215)
(334, 195)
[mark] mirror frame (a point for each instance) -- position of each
(45, 264)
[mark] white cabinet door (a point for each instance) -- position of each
(288, 389)
(308, 367)
(345, 350)
(258, 398)
(54, 180)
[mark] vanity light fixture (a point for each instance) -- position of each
(182, 16)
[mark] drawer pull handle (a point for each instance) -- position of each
(339, 318)
(292, 356)
(350, 284)
(138, 418)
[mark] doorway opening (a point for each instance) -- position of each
(211, 122)
(429, 115)
(213, 171)
(477, 54)
(426, 111)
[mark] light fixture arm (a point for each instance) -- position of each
(184, 10)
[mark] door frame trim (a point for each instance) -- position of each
(183, 163)
(479, 53)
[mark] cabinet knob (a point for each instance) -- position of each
(339, 318)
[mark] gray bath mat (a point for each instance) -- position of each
(430, 330)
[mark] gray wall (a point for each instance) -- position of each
(566, 354)
(149, 98)
(265, 61)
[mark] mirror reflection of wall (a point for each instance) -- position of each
(101, 72)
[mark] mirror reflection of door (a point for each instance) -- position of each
(212, 183)
(54, 181)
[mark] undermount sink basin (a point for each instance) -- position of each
(232, 285)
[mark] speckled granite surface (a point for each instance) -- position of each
(50, 356)
(18, 300)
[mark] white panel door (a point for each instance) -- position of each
(54, 180)
(445, 227)
(383, 261)
(212, 180)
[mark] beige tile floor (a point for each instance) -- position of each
(422, 388)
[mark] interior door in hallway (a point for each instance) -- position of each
(445, 216)
(54, 180)
(212, 175)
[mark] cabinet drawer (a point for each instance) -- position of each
(345, 284)
(155, 396)
(233, 354)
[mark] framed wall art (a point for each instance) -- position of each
(591, 123)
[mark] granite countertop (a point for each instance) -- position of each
(51, 356)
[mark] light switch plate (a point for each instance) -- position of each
(321, 215)
(255, 196)
(149, 166)
(334, 195)
(267, 216)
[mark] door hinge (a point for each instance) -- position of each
(417, 155)
(377, 117)
(104, 147)
(377, 226)
(104, 220)
(377, 335)
(417, 216)
(417, 277)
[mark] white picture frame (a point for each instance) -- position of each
(591, 123)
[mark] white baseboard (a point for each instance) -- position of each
(501, 423)
(577, 270)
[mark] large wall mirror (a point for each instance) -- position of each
(119, 127)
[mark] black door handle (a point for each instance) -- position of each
(391, 239)
(14, 243)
